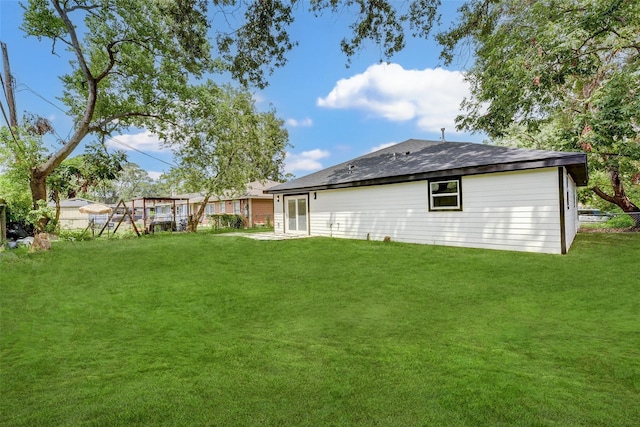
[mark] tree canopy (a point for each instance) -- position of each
(133, 60)
(222, 142)
(557, 74)
(564, 70)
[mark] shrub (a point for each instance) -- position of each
(620, 221)
(74, 235)
(220, 221)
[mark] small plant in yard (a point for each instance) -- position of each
(74, 235)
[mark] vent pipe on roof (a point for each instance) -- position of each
(443, 140)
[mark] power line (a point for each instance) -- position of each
(113, 139)
(15, 138)
(141, 152)
(42, 97)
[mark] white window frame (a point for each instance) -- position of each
(223, 206)
(457, 194)
(300, 222)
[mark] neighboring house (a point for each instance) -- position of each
(72, 219)
(442, 193)
(253, 204)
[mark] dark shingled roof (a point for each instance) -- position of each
(417, 159)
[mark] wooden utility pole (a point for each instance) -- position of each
(11, 101)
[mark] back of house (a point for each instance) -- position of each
(442, 193)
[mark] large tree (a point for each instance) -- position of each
(133, 59)
(222, 142)
(86, 175)
(132, 181)
(559, 74)
(23, 148)
(130, 60)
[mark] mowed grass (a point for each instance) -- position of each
(203, 330)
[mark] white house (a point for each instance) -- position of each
(442, 193)
(72, 219)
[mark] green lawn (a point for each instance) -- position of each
(205, 330)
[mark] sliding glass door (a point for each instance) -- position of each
(296, 212)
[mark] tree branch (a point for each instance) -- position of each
(92, 91)
(98, 126)
(112, 55)
(603, 195)
(75, 43)
(110, 65)
(81, 7)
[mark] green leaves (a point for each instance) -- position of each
(41, 21)
(262, 41)
(221, 142)
(540, 58)
(555, 64)
(253, 47)
(140, 54)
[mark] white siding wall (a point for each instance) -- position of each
(511, 210)
(570, 209)
(278, 215)
(72, 219)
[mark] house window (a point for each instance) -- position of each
(445, 195)
(210, 209)
(236, 207)
(222, 206)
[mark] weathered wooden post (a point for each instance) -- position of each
(3, 222)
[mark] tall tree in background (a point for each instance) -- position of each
(133, 59)
(559, 74)
(223, 142)
(132, 181)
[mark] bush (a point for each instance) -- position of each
(74, 235)
(220, 221)
(620, 221)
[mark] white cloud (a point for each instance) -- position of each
(430, 97)
(381, 146)
(307, 161)
(306, 122)
(154, 175)
(258, 98)
(143, 141)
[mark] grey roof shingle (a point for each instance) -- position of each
(417, 159)
(76, 202)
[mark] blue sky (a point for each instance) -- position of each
(333, 113)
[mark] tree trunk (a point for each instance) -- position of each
(620, 198)
(194, 219)
(56, 198)
(38, 184)
(38, 179)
